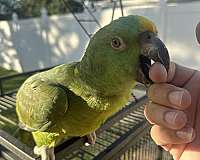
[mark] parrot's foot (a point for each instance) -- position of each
(45, 152)
(91, 139)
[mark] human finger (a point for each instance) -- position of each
(165, 136)
(158, 73)
(164, 116)
(169, 95)
(177, 75)
(198, 32)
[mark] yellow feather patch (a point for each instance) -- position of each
(147, 25)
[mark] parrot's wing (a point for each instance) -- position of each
(41, 104)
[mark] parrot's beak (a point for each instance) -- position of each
(152, 49)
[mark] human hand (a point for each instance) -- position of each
(174, 109)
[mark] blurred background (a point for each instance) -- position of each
(43, 33)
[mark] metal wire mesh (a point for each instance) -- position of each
(145, 149)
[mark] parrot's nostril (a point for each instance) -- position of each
(149, 37)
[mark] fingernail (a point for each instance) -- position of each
(170, 117)
(176, 97)
(186, 134)
(175, 118)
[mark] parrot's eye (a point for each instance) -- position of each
(117, 43)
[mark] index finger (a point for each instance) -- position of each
(177, 75)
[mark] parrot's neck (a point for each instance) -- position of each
(98, 80)
(99, 92)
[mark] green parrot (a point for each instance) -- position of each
(75, 99)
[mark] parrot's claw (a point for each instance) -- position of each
(91, 139)
(45, 152)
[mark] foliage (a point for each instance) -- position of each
(32, 8)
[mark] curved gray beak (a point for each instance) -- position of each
(152, 49)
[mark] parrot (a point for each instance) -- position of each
(75, 99)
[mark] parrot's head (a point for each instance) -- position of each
(121, 53)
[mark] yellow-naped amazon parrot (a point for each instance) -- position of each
(75, 99)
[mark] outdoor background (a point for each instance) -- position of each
(42, 33)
